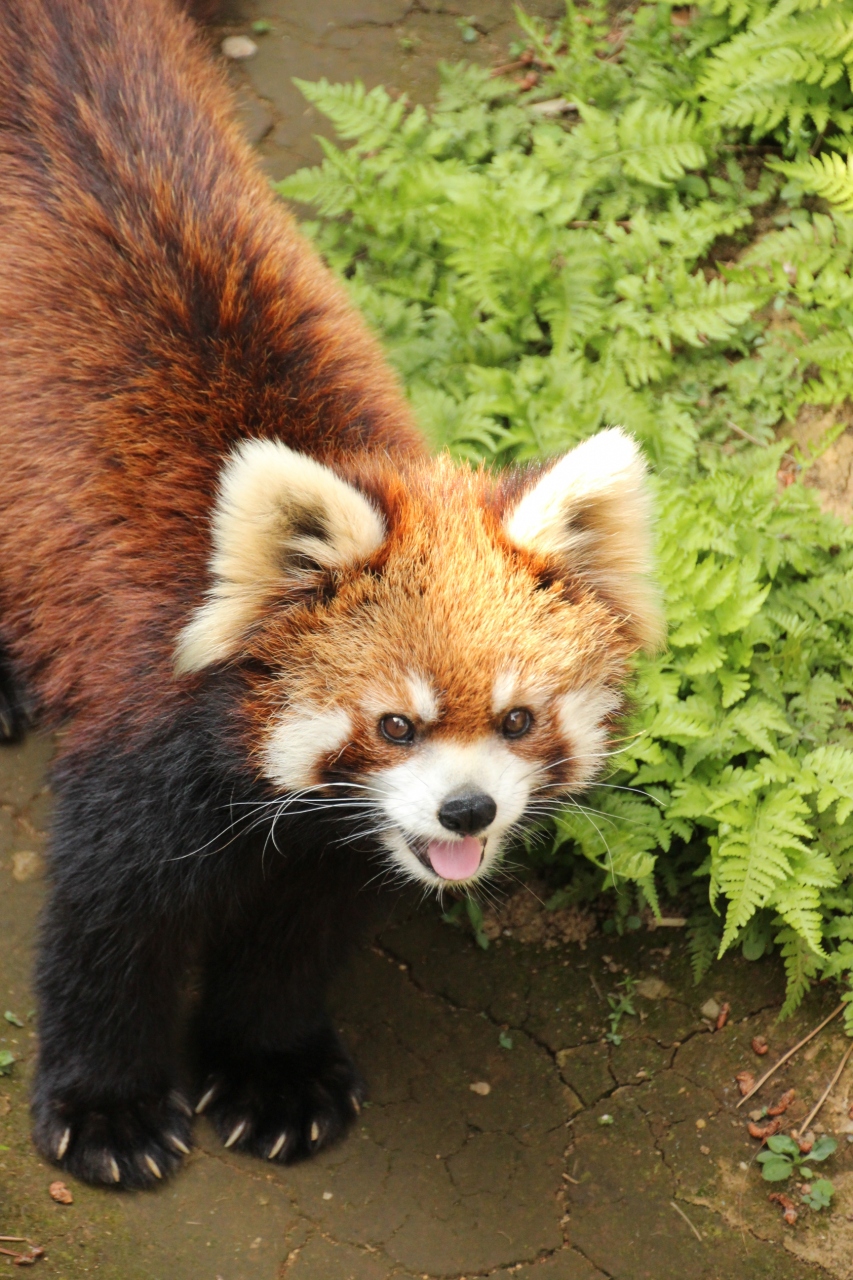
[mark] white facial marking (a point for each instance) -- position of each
(413, 791)
(503, 690)
(423, 700)
(580, 714)
(302, 737)
(511, 689)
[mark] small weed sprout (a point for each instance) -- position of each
(619, 1007)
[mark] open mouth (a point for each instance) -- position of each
(451, 859)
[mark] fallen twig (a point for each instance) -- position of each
(596, 222)
(804, 1127)
(683, 1215)
(552, 107)
(790, 1054)
(506, 67)
(24, 1259)
(745, 435)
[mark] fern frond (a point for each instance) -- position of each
(366, 117)
(827, 175)
(659, 143)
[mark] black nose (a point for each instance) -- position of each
(467, 813)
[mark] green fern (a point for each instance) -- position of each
(827, 175)
(659, 143)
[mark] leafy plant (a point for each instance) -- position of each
(637, 260)
(784, 1158)
(7, 1061)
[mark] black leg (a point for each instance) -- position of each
(275, 1078)
(128, 893)
(105, 1104)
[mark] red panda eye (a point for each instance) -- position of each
(396, 729)
(517, 722)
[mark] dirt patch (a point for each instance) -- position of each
(832, 473)
(525, 917)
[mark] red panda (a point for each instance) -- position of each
(289, 649)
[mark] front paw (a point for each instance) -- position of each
(110, 1142)
(284, 1106)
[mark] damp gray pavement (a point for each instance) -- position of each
(505, 1135)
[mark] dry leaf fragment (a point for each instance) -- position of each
(60, 1193)
(789, 1213)
(763, 1131)
(745, 1081)
(760, 1046)
(783, 1104)
(723, 1016)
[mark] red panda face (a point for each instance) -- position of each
(446, 649)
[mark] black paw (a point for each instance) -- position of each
(284, 1106)
(117, 1144)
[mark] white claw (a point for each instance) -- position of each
(277, 1146)
(153, 1166)
(178, 1144)
(315, 1131)
(235, 1133)
(114, 1170)
(356, 1105)
(178, 1100)
(205, 1099)
(63, 1144)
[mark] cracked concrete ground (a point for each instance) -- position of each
(439, 1180)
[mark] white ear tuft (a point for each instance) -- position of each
(276, 510)
(591, 512)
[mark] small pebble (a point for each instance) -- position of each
(327, 1195)
(238, 47)
(700, 1123)
(481, 1087)
(710, 1009)
(27, 865)
(706, 1151)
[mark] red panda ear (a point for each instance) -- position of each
(277, 512)
(591, 512)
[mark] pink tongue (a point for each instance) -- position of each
(455, 859)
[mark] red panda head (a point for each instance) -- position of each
(443, 648)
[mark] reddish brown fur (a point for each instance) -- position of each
(156, 305)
